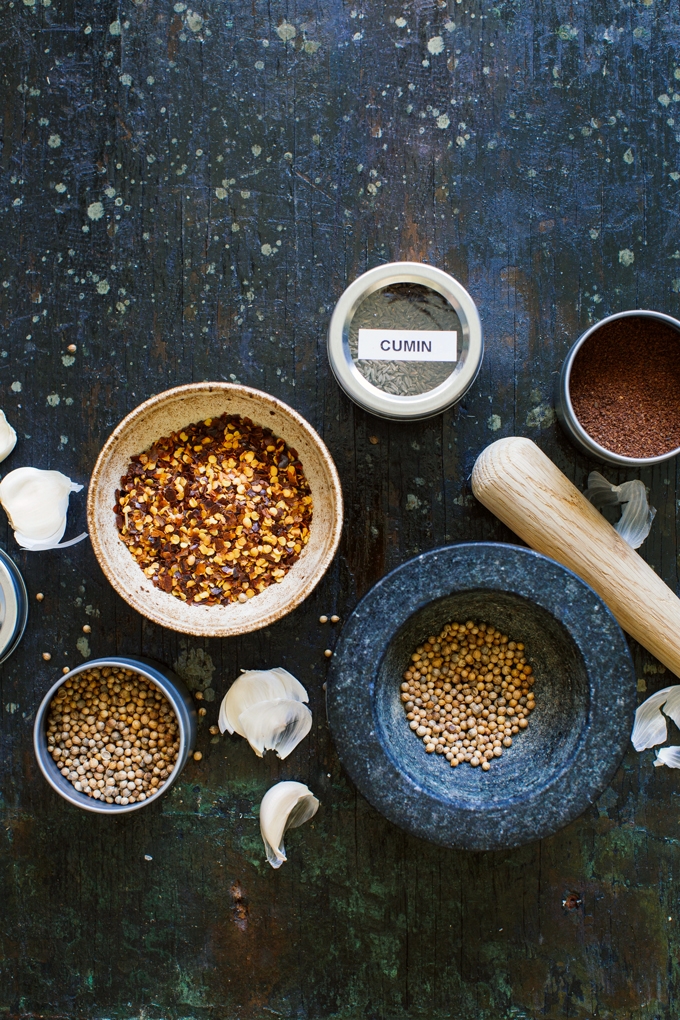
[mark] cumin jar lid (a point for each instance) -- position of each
(405, 341)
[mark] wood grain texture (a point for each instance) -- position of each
(533, 157)
(515, 480)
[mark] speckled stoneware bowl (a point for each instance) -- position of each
(585, 697)
(173, 410)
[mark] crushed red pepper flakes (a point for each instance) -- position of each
(217, 512)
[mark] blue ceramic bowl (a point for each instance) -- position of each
(585, 697)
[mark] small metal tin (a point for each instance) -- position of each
(448, 300)
(173, 689)
(13, 606)
(565, 410)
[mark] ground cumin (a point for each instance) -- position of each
(625, 387)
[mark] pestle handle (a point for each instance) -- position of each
(516, 481)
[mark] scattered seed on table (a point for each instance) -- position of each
(373, 439)
(323, 619)
(216, 513)
(214, 730)
(65, 669)
(467, 692)
(335, 619)
(113, 735)
(40, 596)
(203, 711)
(198, 695)
(87, 629)
(47, 656)
(328, 653)
(197, 755)
(72, 348)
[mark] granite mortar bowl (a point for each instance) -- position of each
(585, 697)
(168, 684)
(172, 411)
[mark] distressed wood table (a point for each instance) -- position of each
(186, 191)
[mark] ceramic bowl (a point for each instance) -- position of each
(173, 689)
(585, 697)
(169, 412)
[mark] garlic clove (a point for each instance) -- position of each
(253, 687)
(650, 723)
(637, 516)
(275, 726)
(8, 437)
(285, 806)
(668, 756)
(36, 503)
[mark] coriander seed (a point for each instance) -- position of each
(467, 692)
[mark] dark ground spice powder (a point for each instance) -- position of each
(625, 387)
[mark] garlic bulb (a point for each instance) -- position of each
(268, 708)
(36, 503)
(8, 437)
(284, 806)
(650, 723)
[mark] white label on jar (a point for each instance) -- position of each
(408, 344)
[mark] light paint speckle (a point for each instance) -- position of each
(125, 79)
(194, 21)
(628, 156)
(54, 141)
(541, 417)
(664, 99)
(114, 27)
(95, 210)
(83, 646)
(256, 150)
(53, 399)
(221, 193)
(567, 32)
(63, 440)
(61, 188)
(68, 360)
(494, 423)
(16, 387)
(286, 31)
(109, 192)
(436, 44)
(103, 287)
(400, 23)
(266, 249)
(626, 257)
(311, 46)
(443, 121)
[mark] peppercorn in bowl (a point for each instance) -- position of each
(481, 696)
(112, 735)
(214, 509)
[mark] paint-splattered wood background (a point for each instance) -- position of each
(186, 190)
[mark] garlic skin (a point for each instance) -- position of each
(268, 708)
(8, 437)
(285, 806)
(650, 723)
(275, 726)
(636, 520)
(36, 503)
(668, 756)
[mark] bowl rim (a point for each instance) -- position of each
(392, 790)
(167, 682)
(200, 629)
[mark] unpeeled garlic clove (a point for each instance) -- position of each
(650, 723)
(285, 806)
(256, 686)
(36, 503)
(275, 726)
(8, 437)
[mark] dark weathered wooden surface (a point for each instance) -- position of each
(536, 158)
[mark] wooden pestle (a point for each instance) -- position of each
(516, 481)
